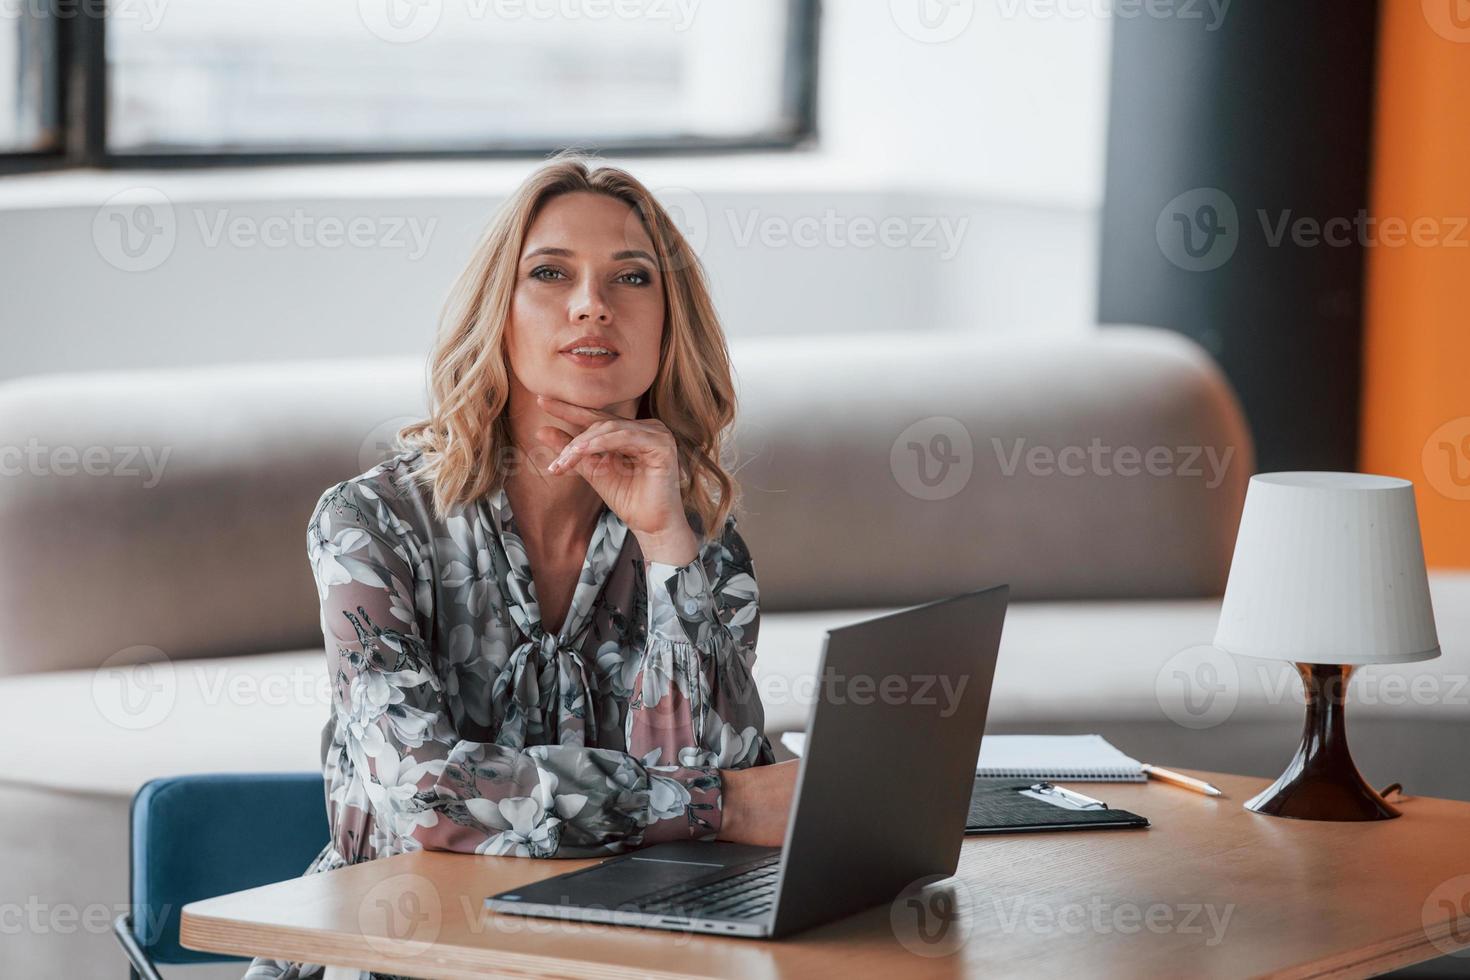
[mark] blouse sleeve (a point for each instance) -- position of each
(418, 779)
(695, 700)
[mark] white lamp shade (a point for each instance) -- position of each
(1328, 569)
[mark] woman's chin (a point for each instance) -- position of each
(599, 398)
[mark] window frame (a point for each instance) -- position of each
(81, 74)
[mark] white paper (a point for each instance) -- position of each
(1079, 757)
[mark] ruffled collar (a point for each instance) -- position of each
(547, 687)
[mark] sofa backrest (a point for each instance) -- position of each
(167, 509)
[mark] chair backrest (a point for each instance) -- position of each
(199, 836)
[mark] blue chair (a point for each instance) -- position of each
(200, 836)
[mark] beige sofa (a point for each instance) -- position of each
(159, 517)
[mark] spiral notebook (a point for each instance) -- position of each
(1060, 757)
(1089, 758)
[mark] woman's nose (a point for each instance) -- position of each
(588, 303)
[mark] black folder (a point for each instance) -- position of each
(1003, 806)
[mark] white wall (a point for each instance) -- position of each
(995, 134)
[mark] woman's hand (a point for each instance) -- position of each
(633, 464)
(757, 803)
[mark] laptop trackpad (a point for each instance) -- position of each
(628, 877)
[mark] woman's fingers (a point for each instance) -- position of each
(608, 426)
(628, 442)
(603, 434)
(575, 444)
(620, 438)
(613, 441)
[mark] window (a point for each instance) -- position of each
(30, 113)
(185, 82)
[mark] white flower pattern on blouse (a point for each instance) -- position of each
(458, 723)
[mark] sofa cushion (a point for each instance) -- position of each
(1073, 661)
(1141, 661)
(176, 501)
(125, 725)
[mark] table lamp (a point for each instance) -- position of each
(1328, 574)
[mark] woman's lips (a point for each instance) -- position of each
(590, 360)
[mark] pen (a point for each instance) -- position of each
(1077, 800)
(1179, 779)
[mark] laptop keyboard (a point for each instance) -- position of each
(750, 893)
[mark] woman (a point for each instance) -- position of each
(535, 649)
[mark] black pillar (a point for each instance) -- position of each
(1237, 178)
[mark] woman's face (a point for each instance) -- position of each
(587, 278)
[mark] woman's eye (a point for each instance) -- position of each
(536, 272)
(641, 278)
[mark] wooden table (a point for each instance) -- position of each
(1210, 889)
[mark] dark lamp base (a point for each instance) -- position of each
(1321, 783)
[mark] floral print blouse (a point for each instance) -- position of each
(458, 723)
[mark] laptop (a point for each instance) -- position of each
(882, 793)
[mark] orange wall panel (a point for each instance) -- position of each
(1416, 391)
